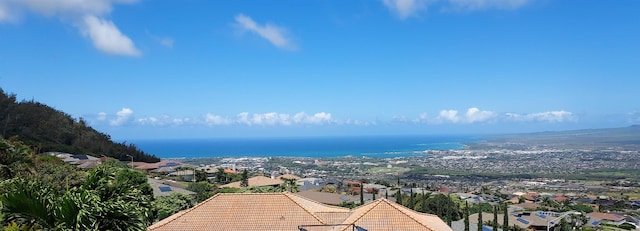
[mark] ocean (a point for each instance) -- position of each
(315, 147)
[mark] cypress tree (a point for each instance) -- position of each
(399, 196)
(373, 194)
(480, 224)
(466, 216)
(361, 193)
(495, 218)
(505, 220)
(386, 194)
(411, 204)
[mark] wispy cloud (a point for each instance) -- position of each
(412, 8)
(550, 116)
(406, 8)
(87, 15)
(278, 36)
(471, 5)
(473, 115)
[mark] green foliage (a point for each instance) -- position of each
(582, 208)
(111, 198)
(245, 179)
(165, 206)
(627, 226)
(290, 185)
(329, 189)
(15, 158)
(48, 129)
(203, 190)
(60, 175)
(348, 204)
(466, 216)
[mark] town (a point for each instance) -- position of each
(589, 189)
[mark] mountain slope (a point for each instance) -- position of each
(47, 129)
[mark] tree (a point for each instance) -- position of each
(329, 189)
(361, 193)
(203, 190)
(221, 176)
(386, 194)
(290, 185)
(399, 196)
(495, 218)
(165, 206)
(480, 217)
(245, 179)
(466, 216)
(373, 194)
(505, 220)
(411, 198)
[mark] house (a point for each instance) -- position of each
(256, 181)
(607, 218)
(184, 175)
(287, 211)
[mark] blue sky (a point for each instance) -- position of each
(195, 69)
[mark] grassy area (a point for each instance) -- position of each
(386, 170)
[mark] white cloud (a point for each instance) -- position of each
(473, 115)
(274, 34)
(273, 118)
(211, 119)
(448, 116)
(107, 38)
(476, 115)
(87, 15)
(123, 116)
(470, 5)
(550, 116)
(406, 8)
(102, 116)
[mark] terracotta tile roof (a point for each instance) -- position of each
(383, 214)
(255, 181)
(286, 211)
(251, 211)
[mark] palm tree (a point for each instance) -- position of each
(290, 185)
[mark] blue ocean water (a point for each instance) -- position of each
(316, 147)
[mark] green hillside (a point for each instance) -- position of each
(624, 137)
(46, 129)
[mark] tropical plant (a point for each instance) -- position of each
(165, 206)
(112, 198)
(15, 158)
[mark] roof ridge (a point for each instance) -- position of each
(186, 211)
(397, 207)
(371, 205)
(288, 195)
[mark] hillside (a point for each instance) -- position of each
(46, 129)
(624, 137)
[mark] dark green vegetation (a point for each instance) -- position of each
(46, 129)
(627, 138)
(40, 192)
